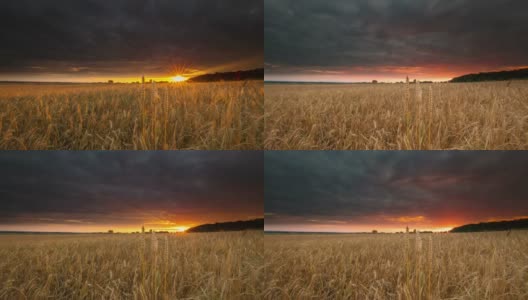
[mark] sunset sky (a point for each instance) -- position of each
(82, 191)
(99, 40)
(359, 191)
(386, 40)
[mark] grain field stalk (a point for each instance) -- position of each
(166, 263)
(407, 258)
(362, 266)
(406, 116)
(120, 117)
(99, 266)
(407, 101)
(430, 267)
(142, 256)
(430, 118)
(418, 265)
(418, 116)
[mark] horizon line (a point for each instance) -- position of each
(351, 82)
(352, 232)
(116, 81)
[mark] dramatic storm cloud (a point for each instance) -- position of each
(365, 190)
(359, 40)
(94, 39)
(86, 191)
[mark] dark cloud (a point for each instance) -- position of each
(374, 186)
(128, 36)
(367, 36)
(129, 187)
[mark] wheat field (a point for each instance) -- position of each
(132, 266)
(397, 116)
(397, 266)
(132, 116)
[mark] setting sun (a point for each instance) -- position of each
(180, 228)
(179, 78)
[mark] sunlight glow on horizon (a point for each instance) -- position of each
(383, 74)
(386, 224)
(81, 226)
(354, 229)
(89, 228)
(394, 224)
(179, 78)
(180, 228)
(179, 73)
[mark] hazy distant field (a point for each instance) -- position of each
(167, 116)
(190, 266)
(397, 116)
(397, 266)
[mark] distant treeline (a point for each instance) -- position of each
(493, 226)
(493, 76)
(256, 224)
(256, 74)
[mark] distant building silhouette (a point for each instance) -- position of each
(374, 81)
(110, 231)
(110, 81)
(143, 229)
(407, 229)
(143, 79)
(374, 231)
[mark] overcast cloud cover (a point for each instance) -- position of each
(343, 190)
(354, 39)
(127, 188)
(128, 37)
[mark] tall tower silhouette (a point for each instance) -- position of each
(143, 79)
(143, 229)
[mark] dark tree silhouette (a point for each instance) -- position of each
(493, 76)
(256, 74)
(256, 224)
(493, 226)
